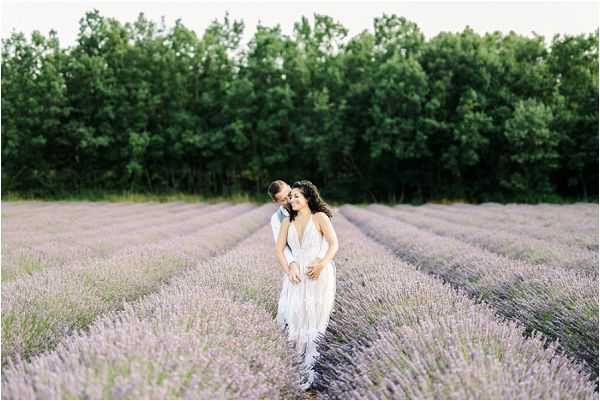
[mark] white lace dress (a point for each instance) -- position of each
(305, 307)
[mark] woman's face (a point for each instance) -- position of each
(297, 199)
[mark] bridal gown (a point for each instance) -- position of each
(304, 308)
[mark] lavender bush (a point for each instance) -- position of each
(66, 226)
(186, 342)
(512, 224)
(28, 230)
(192, 317)
(568, 218)
(562, 304)
(516, 246)
(210, 333)
(39, 310)
(56, 218)
(399, 334)
(78, 248)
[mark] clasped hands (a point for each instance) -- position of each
(314, 270)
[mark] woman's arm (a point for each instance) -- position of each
(281, 244)
(330, 235)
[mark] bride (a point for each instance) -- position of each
(307, 296)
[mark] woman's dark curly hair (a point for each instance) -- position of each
(311, 193)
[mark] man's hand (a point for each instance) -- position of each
(294, 273)
(315, 268)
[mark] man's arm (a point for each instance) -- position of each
(280, 246)
(287, 252)
(276, 226)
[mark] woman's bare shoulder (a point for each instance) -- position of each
(321, 216)
(321, 219)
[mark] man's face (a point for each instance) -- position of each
(282, 197)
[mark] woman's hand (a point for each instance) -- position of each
(315, 268)
(294, 273)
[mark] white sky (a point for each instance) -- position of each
(544, 17)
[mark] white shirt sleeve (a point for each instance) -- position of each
(276, 226)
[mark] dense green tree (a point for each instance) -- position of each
(317, 80)
(384, 115)
(460, 69)
(35, 110)
(532, 154)
(267, 100)
(574, 63)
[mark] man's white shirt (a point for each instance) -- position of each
(276, 226)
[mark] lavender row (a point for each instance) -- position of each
(515, 246)
(552, 246)
(573, 223)
(20, 207)
(584, 210)
(228, 304)
(567, 217)
(43, 219)
(26, 233)
(542, 208)
(40, 310)
(57, 220)
(539, 211)
(186, 342)
(95, 225)
(397, 333)
(520, 226)
(75, 250)
(64, 220)
(106, 240)
(44, 209)
(250, 272)
(536, 214)
(562, 304)
(237, 276)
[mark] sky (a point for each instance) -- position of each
(525, 17)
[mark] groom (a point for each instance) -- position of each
(279, 191)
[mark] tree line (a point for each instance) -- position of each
(385, 115)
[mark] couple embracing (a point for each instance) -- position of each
(306, 244)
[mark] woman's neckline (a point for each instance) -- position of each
(300, 241)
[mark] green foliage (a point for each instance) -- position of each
(532, 150)
(383, 116)
(574, 63)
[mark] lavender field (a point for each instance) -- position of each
(178, 300)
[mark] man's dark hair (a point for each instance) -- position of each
(275, 187)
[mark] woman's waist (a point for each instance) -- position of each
(308, 257)
(305, 262)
